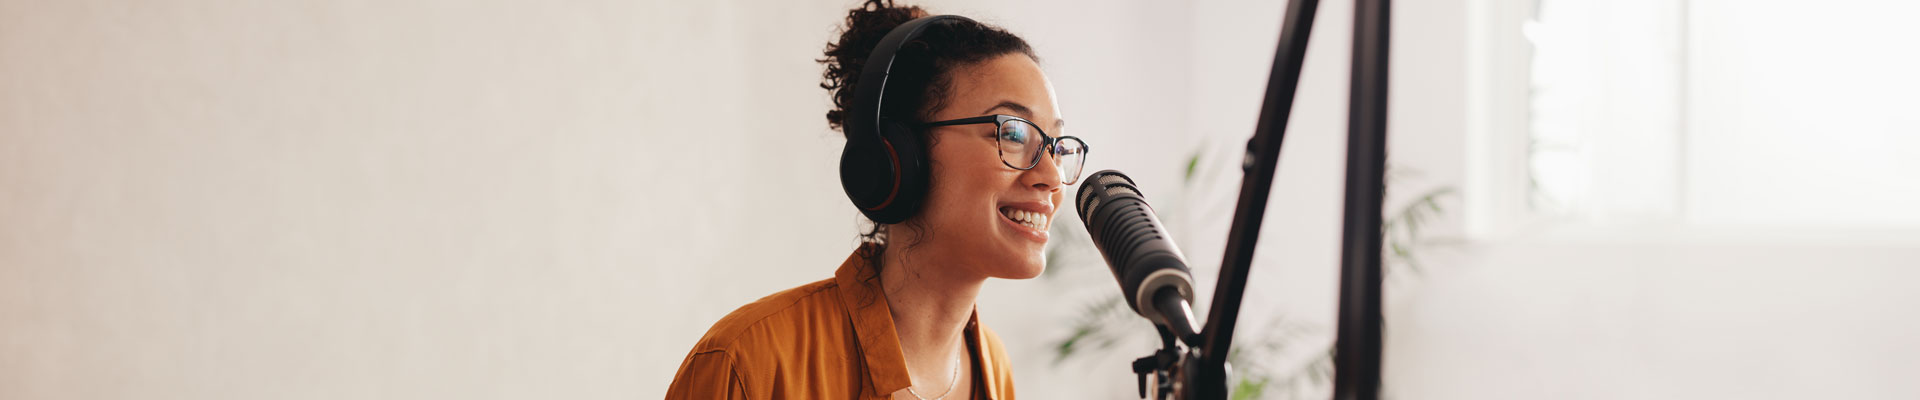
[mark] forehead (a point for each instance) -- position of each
(1010, 84)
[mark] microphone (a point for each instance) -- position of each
(1152, 273)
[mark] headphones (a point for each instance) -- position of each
(884, 166)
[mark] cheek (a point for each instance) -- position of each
(966, 175)
(960, 196)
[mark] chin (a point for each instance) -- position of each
(1029, 273)
(1023, 268)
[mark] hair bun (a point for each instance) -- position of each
(865, 27)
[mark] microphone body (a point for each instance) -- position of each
(1151, 271)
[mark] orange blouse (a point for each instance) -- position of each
(831, 339)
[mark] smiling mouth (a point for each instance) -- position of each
(1029, 219)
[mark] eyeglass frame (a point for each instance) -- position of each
(1048, 144)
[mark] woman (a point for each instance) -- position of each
(897, 320)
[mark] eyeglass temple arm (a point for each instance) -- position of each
(985, 119)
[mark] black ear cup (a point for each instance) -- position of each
(886, 180)
(883, 167)
(910, 156)
(867, 174)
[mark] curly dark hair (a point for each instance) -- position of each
(922, 70)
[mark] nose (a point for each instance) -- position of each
(1046, 174)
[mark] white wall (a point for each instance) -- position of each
(203, 199)
(1669, 316)
(210, 199)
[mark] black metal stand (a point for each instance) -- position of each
(1200, 371)
(1356, 359)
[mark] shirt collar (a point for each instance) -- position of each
(982, 356)
(872, 321)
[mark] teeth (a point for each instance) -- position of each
(1026, 218)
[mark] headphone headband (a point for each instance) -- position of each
(871, 93)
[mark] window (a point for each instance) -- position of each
(1700, 114)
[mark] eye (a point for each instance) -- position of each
(1015, 132)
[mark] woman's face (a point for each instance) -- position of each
(973, 193)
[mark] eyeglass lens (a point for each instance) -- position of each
(1021, 142)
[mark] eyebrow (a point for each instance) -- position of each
(1024, 112)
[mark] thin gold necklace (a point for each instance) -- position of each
(951, 382)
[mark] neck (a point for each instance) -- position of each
(931, 300)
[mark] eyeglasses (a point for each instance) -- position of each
(1021, 143)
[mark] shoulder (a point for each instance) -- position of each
(742, 352)
(778, 313)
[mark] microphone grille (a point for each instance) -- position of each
(1106, 182)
